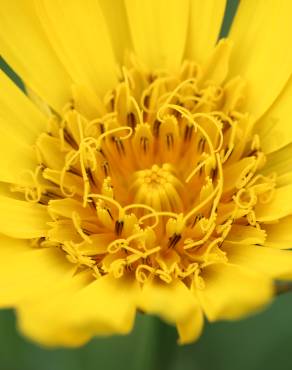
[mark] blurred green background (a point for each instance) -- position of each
(260, 342)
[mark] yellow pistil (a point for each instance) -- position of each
(153, 186)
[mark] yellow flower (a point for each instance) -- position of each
(154, 170)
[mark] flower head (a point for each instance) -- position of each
(153, 172)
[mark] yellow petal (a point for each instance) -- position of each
(261, 33)
(232, 292)
(173, 302)
(115, 15)
(217, 64)
(80, 309)
(243, 234)
(274, 263)
(20, 124)
(159, 30)
(191, 328)
(25, 47)
(15, 156)
(284, 179)
(27, 271)
(279, 234)
(79, 36)
(204, 27)
(21, 116)
(279, 162)
(38, 318)
(274, 127)
(20, 219)
(280, 206)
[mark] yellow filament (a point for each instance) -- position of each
(138, 110)
(110, 200)
(218, 190)
(152, 211)
(77, 224)
(113, 131)
(216, 124)
(68, 163)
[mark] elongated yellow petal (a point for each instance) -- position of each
(20, 219)
(275, 127)
(242, 235)
(271, 262)
(280, 206)
(159, 29)
(191, 328)
(261, 33)
(80, 309)
(20, 124)
(22, 117)
(279, 234)
(15, 156)
(38, 317)
(279, 162)
(216, 67)
(25, 47)
(233, 291)
(115, 15)
(173, 302)
(204, 27)
(79, 36)
(26, 271)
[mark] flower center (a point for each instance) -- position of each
(158, 188)
(154, 179)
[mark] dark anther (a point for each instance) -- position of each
(47, 196)
(201, 144)
(129, 268)
(188, 133)
(146, 101)
(131, 118)
(101, 127)
(119, 145)
(71, 105)
(230, 153)
(144, 143)
(201, 168)
(86, 232)
(92, 203)
(101, 152)
(169, 141)
(105, 167)
(175, 112)
(70, 140)
(119, 227)
(109, 212)
(74, 171)
(213, 173)
(226, 126)
(173, 240)
(52, 195)
(112, 101)
(90, 176)
(198, 217)
(253, 153)
(156, 126)
(151, 77)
